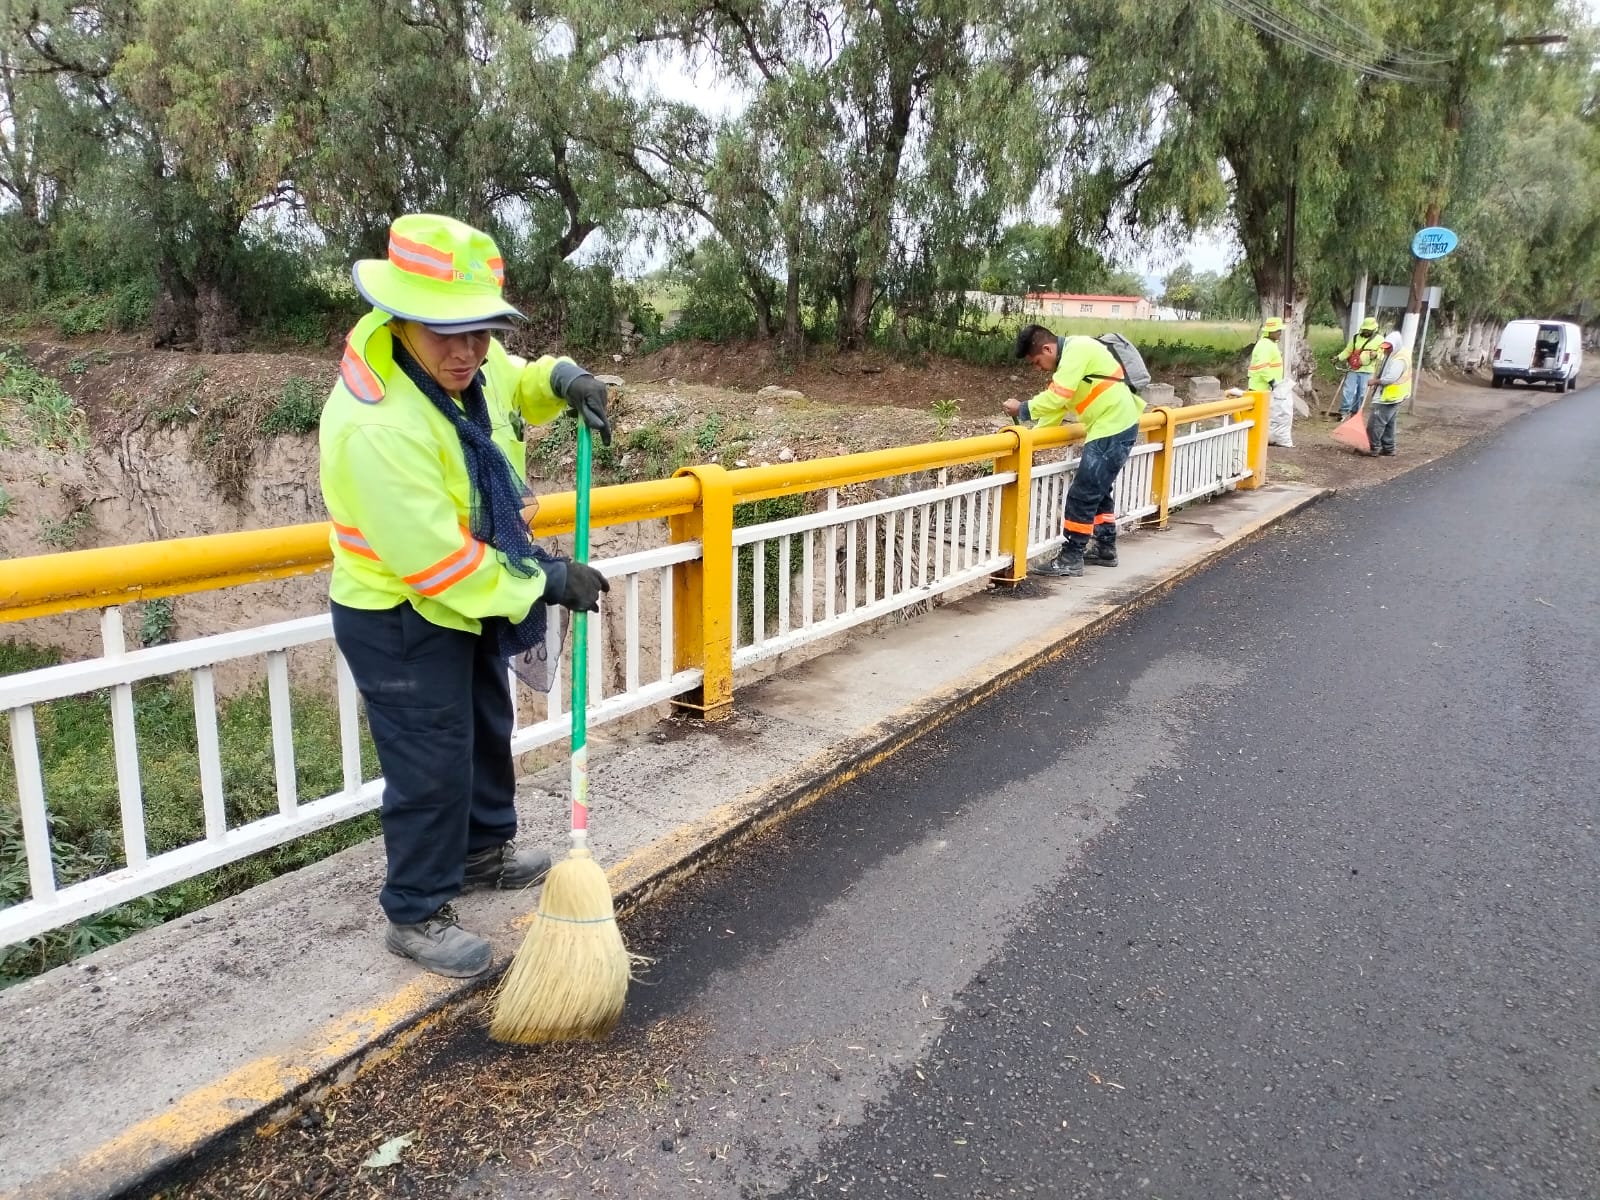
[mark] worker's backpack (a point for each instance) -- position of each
(1134, 373)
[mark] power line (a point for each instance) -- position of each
(1282, 28)
(1365, 36)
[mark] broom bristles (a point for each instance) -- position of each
(569, 979)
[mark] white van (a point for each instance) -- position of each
(1539, 352)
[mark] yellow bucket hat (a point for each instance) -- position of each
(1370, 325)
(1272, 325)
(441, 273)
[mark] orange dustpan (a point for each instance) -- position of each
(1352, 431)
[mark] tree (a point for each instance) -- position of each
(882, 148)
(1180, 290)
(1244, 118)
(1030, 257)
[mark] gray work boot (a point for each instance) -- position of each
(440, 945)
(504, 866)
(1100, 554)
(1068, 562)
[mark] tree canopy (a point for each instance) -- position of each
(850, 171)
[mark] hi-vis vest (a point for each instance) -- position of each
(1087, 382)
(396, 486)
(1266, 365)
(1397, 391)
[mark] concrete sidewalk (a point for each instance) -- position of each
(139, 1054)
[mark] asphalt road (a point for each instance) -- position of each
(1286, 887)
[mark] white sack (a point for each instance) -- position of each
(1280, 415)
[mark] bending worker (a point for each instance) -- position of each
(1266, 360)
(1359, 356)
(436, 583)
(1086, 380)
(1393, 384)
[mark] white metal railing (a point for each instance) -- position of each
(860, 562)
(1134, 495)
(1208, 461)
(643, 580)
(635, 579)
(830, 569)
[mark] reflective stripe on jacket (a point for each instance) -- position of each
(1105, 406)
(396, 486)
(1266, 365)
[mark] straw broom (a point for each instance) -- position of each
(570, 977)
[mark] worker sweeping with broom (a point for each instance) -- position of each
(436, 583)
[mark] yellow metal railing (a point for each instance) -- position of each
(697, 503)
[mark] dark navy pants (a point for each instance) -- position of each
(1091, 505)
(439, 707)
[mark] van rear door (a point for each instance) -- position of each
(1513, 353)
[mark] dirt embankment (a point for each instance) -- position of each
(176, 444)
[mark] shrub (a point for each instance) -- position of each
(297, 409)
(716, 307)
(762, 512)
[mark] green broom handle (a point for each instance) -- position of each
(580, 658)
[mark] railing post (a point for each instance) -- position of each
(1161, 471)
(1016, 499)
(1257, 442)
(702, 594)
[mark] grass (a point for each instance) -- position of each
(68, 531)
(297, 410)
(653, 450)
(78, 765)
(33, 408)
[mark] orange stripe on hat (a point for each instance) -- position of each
(419, 259)
(498, 266)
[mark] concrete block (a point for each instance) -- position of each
(1159, 395)
(1204, 388)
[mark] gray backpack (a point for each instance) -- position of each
(1134, 373)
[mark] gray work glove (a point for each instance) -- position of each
(573, 585)
(586, 399)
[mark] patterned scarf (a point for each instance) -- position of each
(497, 499)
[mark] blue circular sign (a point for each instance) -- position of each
(1433, 242)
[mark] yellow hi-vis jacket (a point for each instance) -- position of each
(1266, 365)
(1088, 382)
(1395, 378)
(396, 486)
(1368, 345)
